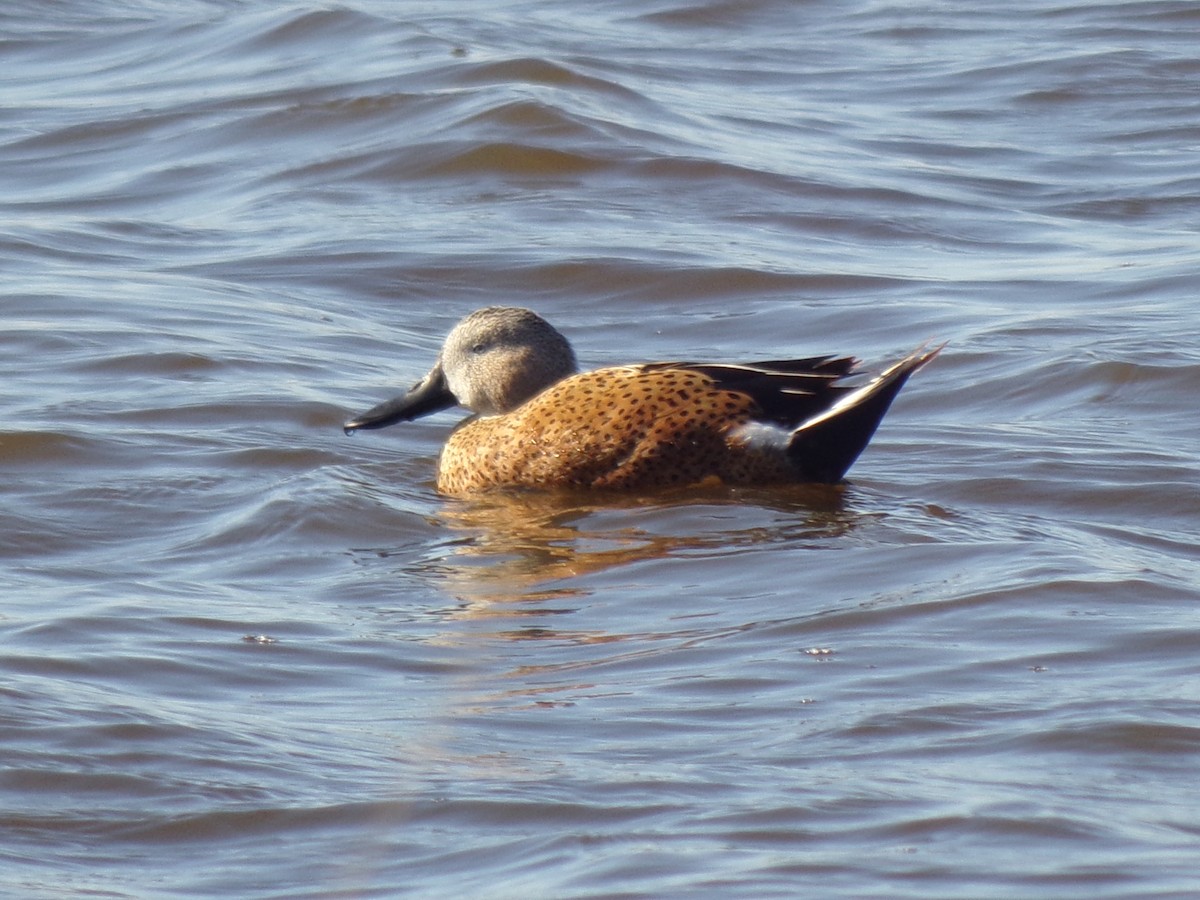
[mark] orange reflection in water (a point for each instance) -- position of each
(530, 546)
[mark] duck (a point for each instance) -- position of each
(539, 423)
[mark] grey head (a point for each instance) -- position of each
(491, 362)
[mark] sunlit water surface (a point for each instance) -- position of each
(245, 655)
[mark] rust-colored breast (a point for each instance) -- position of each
(621, 428)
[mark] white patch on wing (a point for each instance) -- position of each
(762, 436)
(851, 399)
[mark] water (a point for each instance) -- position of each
(244, 655)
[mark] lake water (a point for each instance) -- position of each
(244, 655)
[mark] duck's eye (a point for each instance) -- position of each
(478, 348)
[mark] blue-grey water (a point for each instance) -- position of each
(243, 655)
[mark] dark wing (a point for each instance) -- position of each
(787, 391)
(833, 422)
(824, 447)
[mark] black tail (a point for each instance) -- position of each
(826, 446)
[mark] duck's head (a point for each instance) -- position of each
(492, 361)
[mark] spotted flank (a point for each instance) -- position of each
(540, 424)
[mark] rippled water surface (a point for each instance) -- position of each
(245, 655)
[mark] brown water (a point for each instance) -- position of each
(244, 655)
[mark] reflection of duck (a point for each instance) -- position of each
(540, 424)
(542, 546)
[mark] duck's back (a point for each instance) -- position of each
(629, 427)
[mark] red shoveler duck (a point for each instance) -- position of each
(540, 423)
